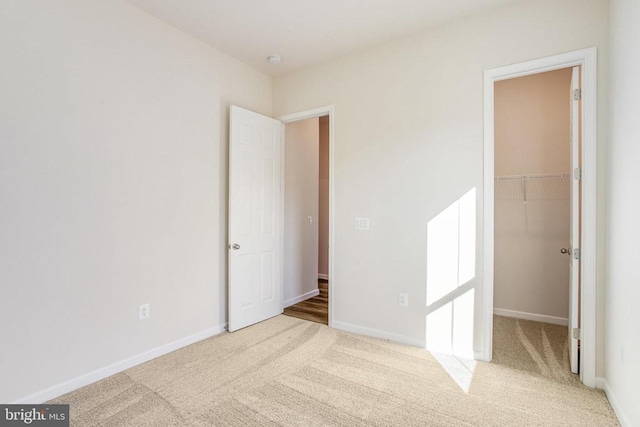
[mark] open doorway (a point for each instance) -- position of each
(533, 189)
(257, 216)
(584, 64)
(306, 219)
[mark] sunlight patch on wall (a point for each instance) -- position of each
(449, 329)
(440, 329)
(451, 247)
(451, 255)
(450, 338)
(462, 336)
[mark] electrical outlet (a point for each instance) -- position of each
(403, 300)
(310, 219)
(145, 311)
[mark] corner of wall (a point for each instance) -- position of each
(602, 384)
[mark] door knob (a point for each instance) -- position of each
(235, 246)
(565, 251)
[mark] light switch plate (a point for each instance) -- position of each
(362, 223)
(144, 311)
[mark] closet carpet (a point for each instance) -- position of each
(538, 348)
(291, 372)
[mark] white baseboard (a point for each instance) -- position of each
(622, 417)
(101, 373)
(480, 356)
(531, 316)
(299, 298)
(323, 276)
(376, 333)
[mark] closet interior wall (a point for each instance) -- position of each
(532, 190)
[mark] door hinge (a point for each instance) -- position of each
(576, 253)
(576, 334)
(577, 95)
(577, 173)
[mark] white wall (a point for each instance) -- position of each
(532, 136)
(408, 144)
(623, 211)
(300, 203)
(112, 186)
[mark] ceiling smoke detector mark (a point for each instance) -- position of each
(362, 223)
(274, 59)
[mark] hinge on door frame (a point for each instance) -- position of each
(576, 333)
(576, 253)
(577, 173)
(577, 95)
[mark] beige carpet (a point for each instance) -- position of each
(287, 371)
(538, 348)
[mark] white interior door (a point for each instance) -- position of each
(574, 287)
(255, 228)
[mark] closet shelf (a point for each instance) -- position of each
(549, 186)
(535, 176)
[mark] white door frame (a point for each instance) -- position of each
(309, 114)
(587, 59)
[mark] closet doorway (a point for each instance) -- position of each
(535, 227)
(583, 181)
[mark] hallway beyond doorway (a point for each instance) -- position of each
(314, 309)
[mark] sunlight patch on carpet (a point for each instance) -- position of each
(459, 369)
